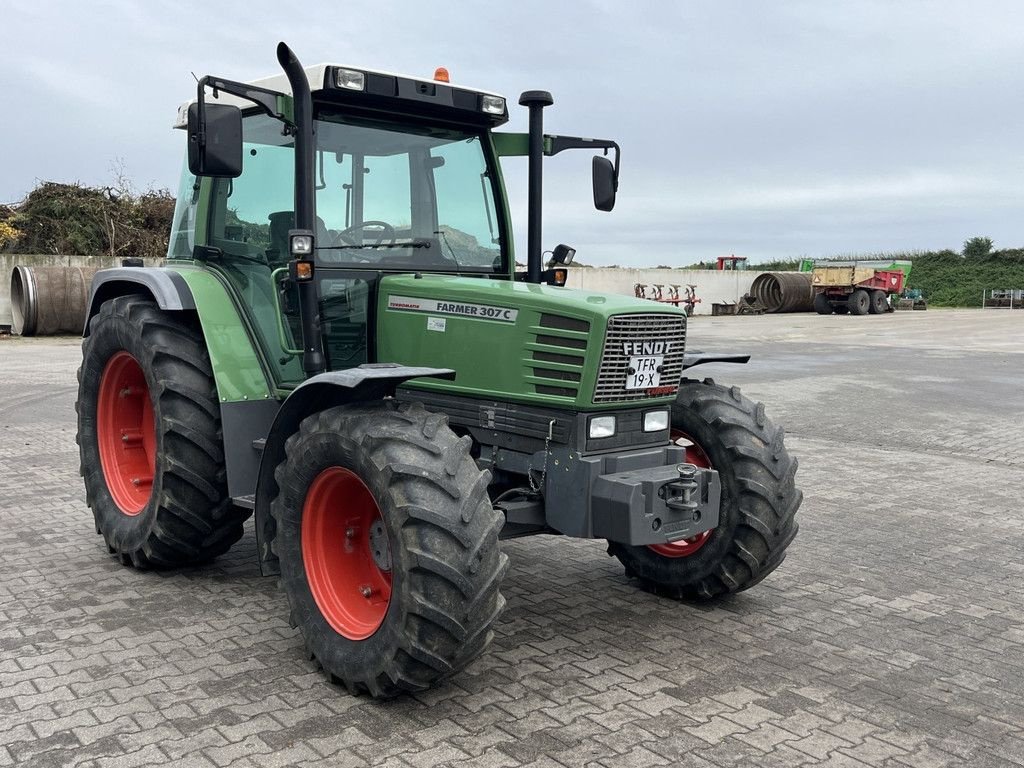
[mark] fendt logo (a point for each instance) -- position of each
(632, 348)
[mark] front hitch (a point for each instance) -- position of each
(656, 505)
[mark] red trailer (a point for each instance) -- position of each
(856, 289)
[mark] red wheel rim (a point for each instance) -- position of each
(346, 553)
(686, 547)
(126, 433)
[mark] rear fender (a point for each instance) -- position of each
(373, 381)
(164, 286)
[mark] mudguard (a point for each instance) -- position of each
(166, 287)
(372, 381)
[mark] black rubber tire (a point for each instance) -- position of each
(189, 518)
(879, 303)
(822, 305)
(858, 302)
(757, 518)
(447, 565)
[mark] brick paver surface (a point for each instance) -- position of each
(893, 635)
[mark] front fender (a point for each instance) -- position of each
(373, 381)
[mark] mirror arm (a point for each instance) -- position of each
(556, 144)
(263, 98)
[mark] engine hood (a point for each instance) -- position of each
(521, 341)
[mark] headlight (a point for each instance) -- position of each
(492, 105)
(655, 421)
(302, 245)
(350, 79)
(602, 426)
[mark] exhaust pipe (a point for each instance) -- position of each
(535, 101)
(305, 204)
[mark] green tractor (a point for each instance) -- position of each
(340, 346)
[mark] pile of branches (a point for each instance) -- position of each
(75, 220)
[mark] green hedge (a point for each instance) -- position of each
(950, 280)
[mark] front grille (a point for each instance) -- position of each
(561, 342)
(611, 378)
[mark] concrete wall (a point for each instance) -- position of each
(712, 286)
(8, 261)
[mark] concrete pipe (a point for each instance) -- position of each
(49, 300)
(784, 291)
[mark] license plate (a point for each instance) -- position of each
(644, 372)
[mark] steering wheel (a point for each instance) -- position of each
(379, 229)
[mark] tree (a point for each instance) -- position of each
(977, 247)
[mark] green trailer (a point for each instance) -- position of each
(340, 347)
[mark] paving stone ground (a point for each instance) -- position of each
(893, 635)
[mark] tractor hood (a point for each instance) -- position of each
(526, 342)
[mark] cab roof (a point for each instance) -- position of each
(384, 91)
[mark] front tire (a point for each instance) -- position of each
(388, 545)
(149, 438)
(732, 435)
(879, 303)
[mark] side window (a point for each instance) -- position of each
(465, 203)
(183, 228)
(251, 215)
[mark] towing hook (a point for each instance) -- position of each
(679, 494)
(687, 471)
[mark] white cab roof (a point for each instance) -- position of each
(315, 75)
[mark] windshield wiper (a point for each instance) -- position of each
(347, 247)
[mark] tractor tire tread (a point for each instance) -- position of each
(192, 519)
(449, 537)
(762, 488)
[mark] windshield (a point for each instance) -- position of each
(388, 196)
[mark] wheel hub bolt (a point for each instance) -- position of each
(350, 533)
(366, 590)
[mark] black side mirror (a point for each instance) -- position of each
(605, 183)
(215, 142)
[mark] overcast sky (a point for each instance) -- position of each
(769, 130)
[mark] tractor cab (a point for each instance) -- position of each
(415, 188)
(731, 263)
(405, 178)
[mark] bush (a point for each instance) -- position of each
(977, 247)
(75, 220)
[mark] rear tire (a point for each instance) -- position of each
(759, 499)
(386, 619)
(149, 438)
(822, 305)
(879, 303)
(858, 302)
